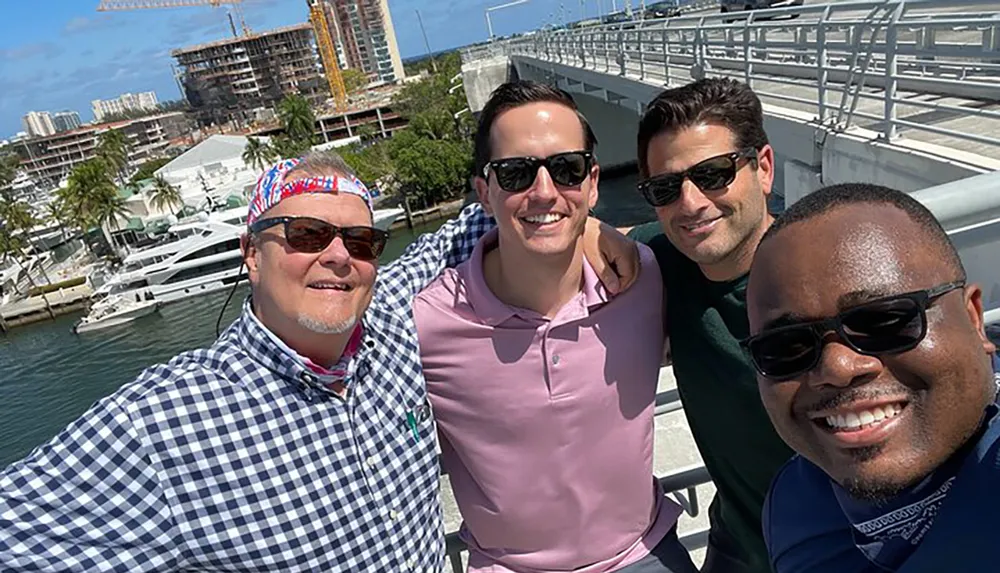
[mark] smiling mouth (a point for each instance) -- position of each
(341, 287)
(700, 225)
(544, 218)
(855, 420)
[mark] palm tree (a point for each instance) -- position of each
(88, 193)
(297, 118)
(113, 148)
(259, 154)
(163, 194)
(110, 211)
(17, 216)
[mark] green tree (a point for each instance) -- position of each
(89, 192)
(432, 169)
(354, 80)
(297, 118)
(163, 194)
(258, 154)
(287, 148)
(9, 162)
(148, 169)
(18, 221)
(113, 148)
(109, 212)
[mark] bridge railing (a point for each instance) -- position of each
(843, 54)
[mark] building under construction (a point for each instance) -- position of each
(240, 80)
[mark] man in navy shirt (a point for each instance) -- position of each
(874, 366)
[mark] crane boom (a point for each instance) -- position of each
(109, 5)
(327, 54)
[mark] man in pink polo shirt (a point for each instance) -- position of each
(542, 385)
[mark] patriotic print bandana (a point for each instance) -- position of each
(271, 188)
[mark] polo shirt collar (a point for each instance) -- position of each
(493, 311)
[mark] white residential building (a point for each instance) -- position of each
(38, 123)
(123, 103)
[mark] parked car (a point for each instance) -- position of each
(738, 5)
(668, 9)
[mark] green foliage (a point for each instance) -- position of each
(113, 147)
(287, 148)
(297, 118)
(259, 154)
(429, 160)
(9, 162)
(354, 80)
(89, 194)
(163, 194)
(431, 169)
(148, 169)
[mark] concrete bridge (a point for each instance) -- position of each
(902, 93)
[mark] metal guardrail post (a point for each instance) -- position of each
(821, 61)
(621, 52)
(891, 70)
(642, 63)
(665, 42)
(747, 52)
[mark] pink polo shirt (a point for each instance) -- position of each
(547, 425)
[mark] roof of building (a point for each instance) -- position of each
(241, 39)
(215, 149)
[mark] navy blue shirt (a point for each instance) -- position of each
(812, 525)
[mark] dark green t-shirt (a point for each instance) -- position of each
(718, 387)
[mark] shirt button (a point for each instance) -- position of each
(370, 462)
(555, 360)
(410, 563)
(393, 515)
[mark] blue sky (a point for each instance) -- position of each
(61, 54)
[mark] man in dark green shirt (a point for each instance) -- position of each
(706, 167)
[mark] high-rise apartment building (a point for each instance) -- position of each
(241, 79)
(65, 120)
(145, 101)
(38, 123)
(365, 38)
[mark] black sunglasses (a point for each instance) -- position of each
(711, 174)
(309, 235)
(885, 326)
(515, 174)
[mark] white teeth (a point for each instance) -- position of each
(544, 219)
(698, 225)
(329, 286)
(855, 420)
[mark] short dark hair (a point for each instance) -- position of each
(829, 198)
(721, 101)
(515, 94)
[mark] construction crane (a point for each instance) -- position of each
(115, 5)
(317, 16)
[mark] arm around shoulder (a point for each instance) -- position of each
(431, 253)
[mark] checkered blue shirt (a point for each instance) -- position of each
(236, 457)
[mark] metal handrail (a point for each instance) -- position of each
(681, 484)
(845, 47)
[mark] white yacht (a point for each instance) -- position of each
(385, 217)
(120, 311)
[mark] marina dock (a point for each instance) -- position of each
(33, 309)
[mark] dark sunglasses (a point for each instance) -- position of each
(309, 235)
(711, 174)
(885, 326)
(515, 174)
